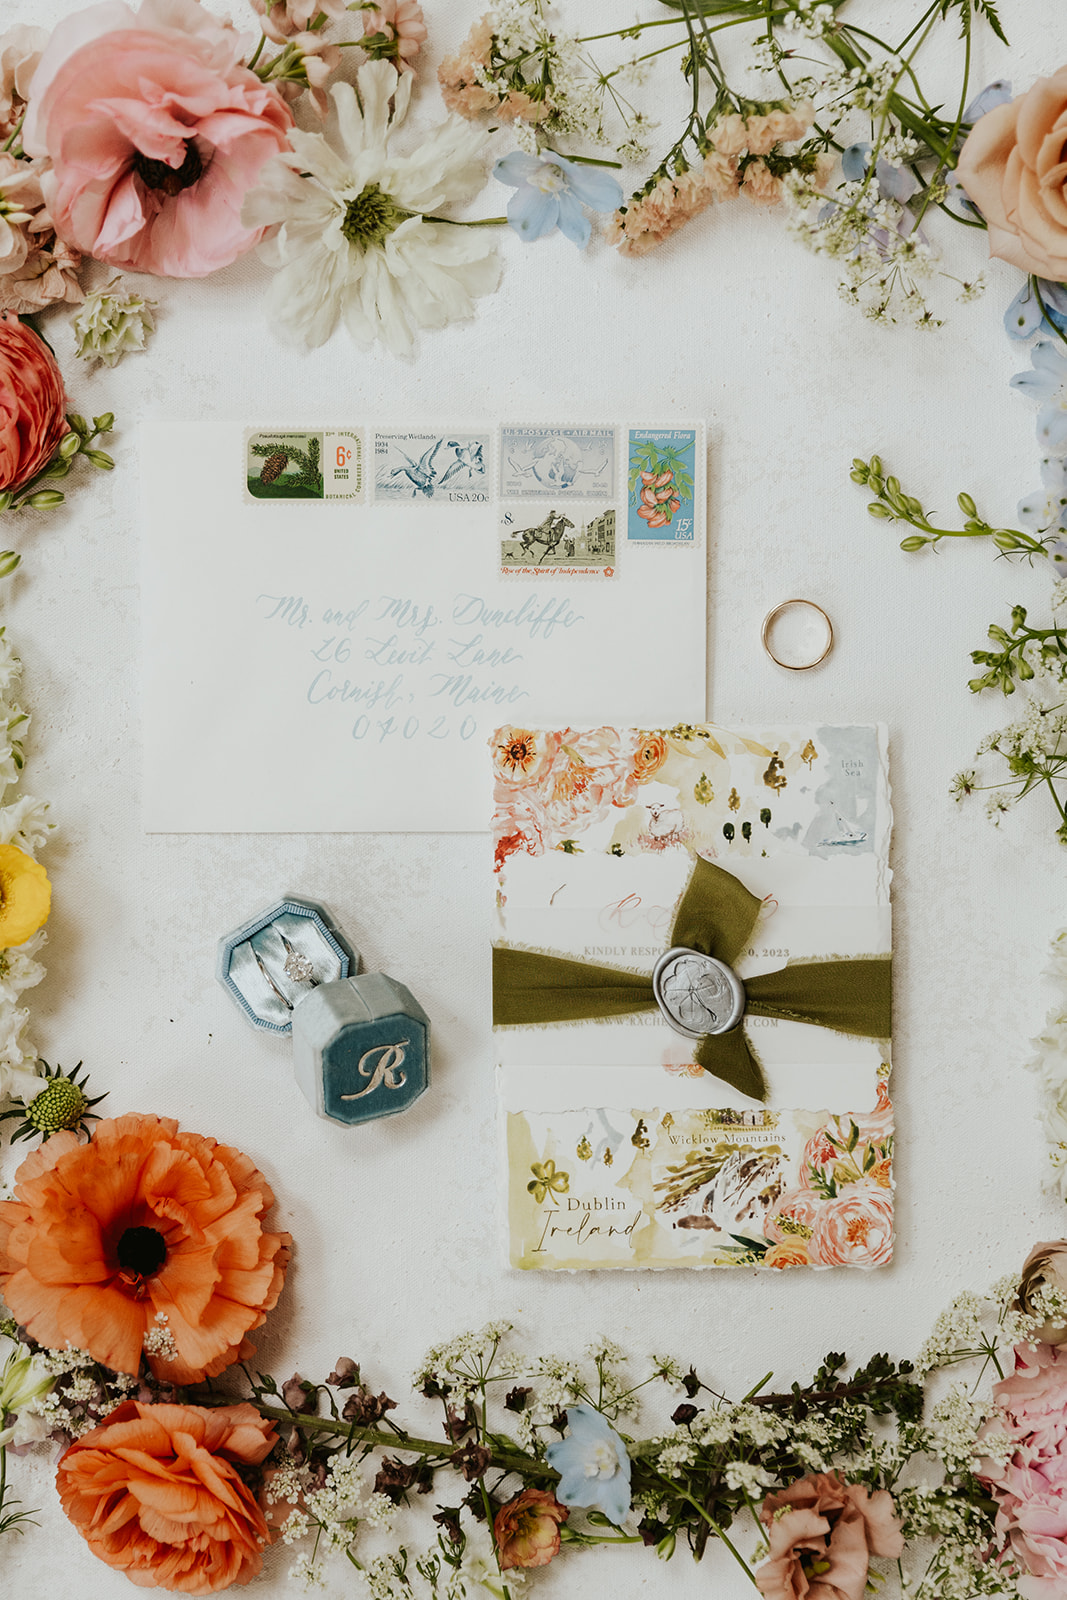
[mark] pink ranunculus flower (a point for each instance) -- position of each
(855, 1228)
(1031, 1487)
(156, 132)
(837, 1526)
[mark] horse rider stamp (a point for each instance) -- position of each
(538, 542)
(558, 464)
(445, 467)
(318, 464)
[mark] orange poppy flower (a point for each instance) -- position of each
(155, 1491)
(145, 1240)
(527, 1529)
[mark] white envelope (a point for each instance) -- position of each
(337, 663)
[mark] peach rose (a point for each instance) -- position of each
(822, 1533)
(145, 1240)
(155, 1492)
(1013, 167)
(792, 1218)
(855, 1229)
(527, 1529)
(32, 404)
(156, 132)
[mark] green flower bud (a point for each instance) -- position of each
(45, 499)
(105, 423)
(857, 476)
(665, 1548)
(877, 509)
(70, 445)
(100, 458)
(1003, 538)
(876, 466)
(914, 541)
(859, 465)
(6, 499)
(9, 560)
(966, 505)
(78, 423)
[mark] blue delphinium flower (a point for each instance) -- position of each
(1047, 383)
(550, 192)
(1025, 315)
(593, 1465)
(1046, 509)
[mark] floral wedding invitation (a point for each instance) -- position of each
(692, 995)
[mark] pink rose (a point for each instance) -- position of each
(1031, 1488)
(1012, 166)
(855, 1228)
(32, 404)
(838, 1526)
(155, 132)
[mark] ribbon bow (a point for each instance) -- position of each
(716, 917)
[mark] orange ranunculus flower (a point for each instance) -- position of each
(527, 1529)
(155, 1492)
(143, 1240)
(650, 755)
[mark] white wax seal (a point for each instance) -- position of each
(797, 635)
(696, 993)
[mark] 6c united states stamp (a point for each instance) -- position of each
(557, 463)
(284, 464)
(442, 467)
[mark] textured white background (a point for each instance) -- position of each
(396, 1224)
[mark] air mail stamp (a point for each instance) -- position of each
(548, 463)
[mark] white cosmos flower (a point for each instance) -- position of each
(352, 238)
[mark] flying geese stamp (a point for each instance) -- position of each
(442, 467)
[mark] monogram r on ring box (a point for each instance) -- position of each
(691, 995)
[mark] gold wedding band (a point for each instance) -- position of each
(768, 626)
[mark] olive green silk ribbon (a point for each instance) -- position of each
(716, 917)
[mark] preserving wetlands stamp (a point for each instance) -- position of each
(442, 467)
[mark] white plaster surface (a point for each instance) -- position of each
(397, 1239)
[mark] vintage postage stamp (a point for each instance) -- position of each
(442, 467)
(557, 463)
(537, 541)
(662, 474)
(288, 465)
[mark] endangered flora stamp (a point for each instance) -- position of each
(539, 541)
(288, 465)
(557, 463)
(442, 467)
(661, 477)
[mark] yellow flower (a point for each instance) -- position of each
(25, 896)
